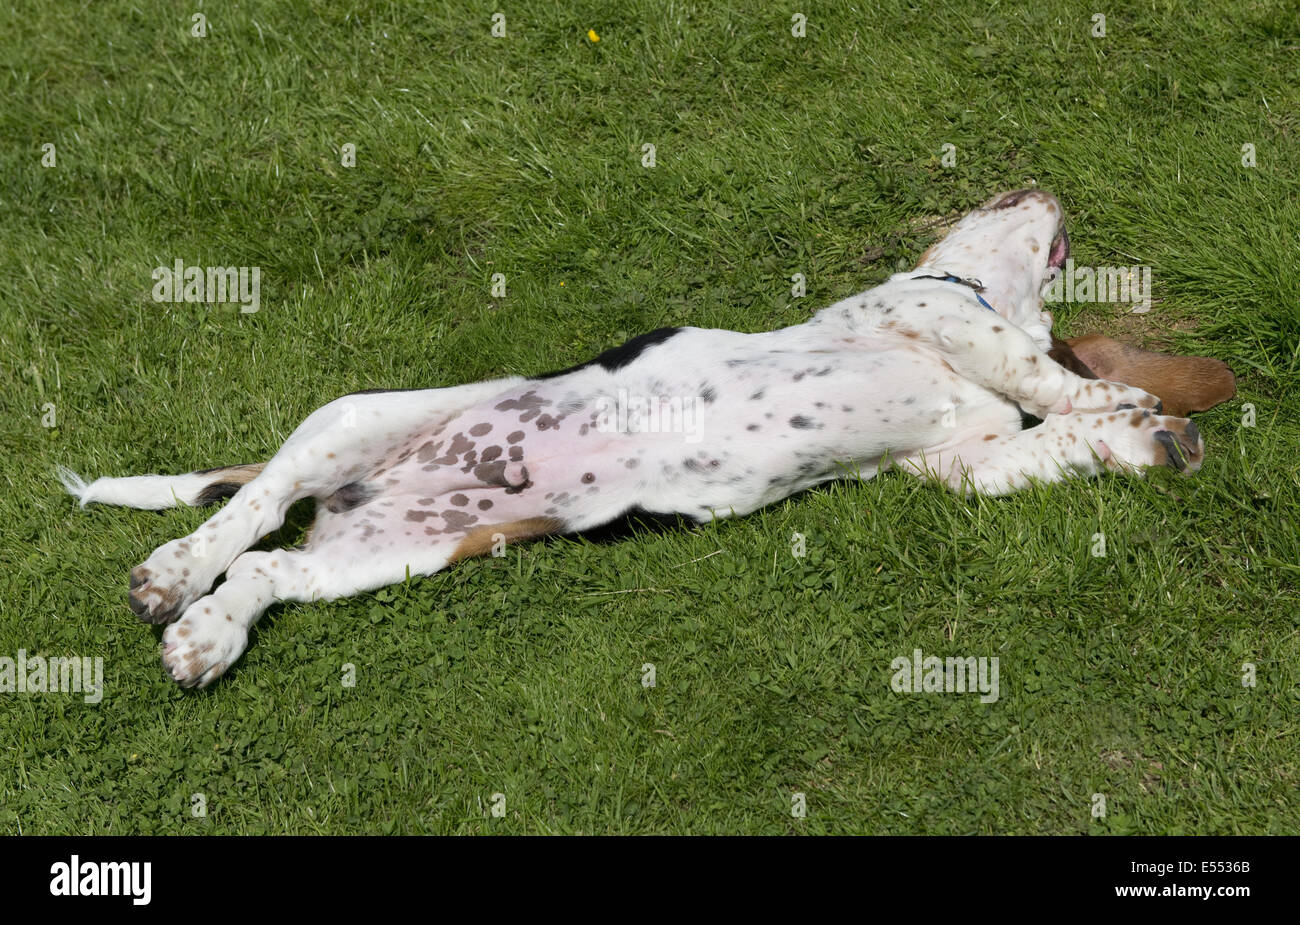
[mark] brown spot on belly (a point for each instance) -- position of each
(458, 520)
(492, 473)
(350, 496)
(460, 445)
(530, 403)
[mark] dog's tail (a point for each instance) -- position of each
(155, 492)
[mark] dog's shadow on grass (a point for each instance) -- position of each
(635, 524)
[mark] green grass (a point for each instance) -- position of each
(521, 155)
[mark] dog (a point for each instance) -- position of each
(936, 372)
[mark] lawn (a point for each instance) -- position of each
(506, 695)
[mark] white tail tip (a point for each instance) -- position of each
(74, 484)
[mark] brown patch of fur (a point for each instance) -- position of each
(241, 474)
(1183, 384)
(478, 542)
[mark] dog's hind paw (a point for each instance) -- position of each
(168, 582)
(199, 647)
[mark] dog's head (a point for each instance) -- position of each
(1013, 246)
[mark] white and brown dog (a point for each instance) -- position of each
(929, 372)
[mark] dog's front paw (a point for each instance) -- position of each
(1135, 440)
(168, 582)
(199, 647)
(1048, 393)
(1104, 395)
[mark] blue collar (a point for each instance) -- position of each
(975, 286)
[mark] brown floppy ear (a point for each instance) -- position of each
(1183, 384)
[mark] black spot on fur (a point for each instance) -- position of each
(1063, 354)
(618, 357)
(349, 496)
(217, 491)
(1028, 420)
(799, 422)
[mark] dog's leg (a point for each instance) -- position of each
(213, 632)
(990, 351)
(334, 447)
(1062, 446)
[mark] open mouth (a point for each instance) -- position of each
(1060, 250)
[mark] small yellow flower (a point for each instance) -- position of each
(591, 34)
(561, 282)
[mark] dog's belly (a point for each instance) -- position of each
(720, 426)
